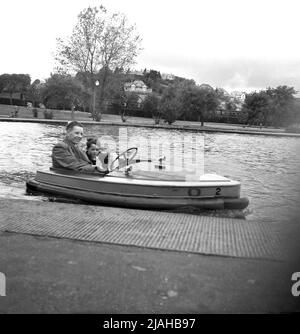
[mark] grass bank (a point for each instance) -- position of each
(25, 114)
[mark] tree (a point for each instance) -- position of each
(3, 81)
(34, 92)
(62, 92)
(151, 77)
(132, 101)
(169, 105)
(118, 103)
(222, 94)
(257, 106)
(15, 83)
(196, 102)
(230, 106)
(282, 104)
(207, 104)
(175, 93)
(242, 116)
(99, 41)
(169, 110)
(273, 106)
(188, 96)
(150, 107)
(187, 100)
(115, 97)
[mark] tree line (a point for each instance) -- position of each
(93, 65)
(181, 99)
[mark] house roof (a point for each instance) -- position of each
(137, 83)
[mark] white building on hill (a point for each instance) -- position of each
(239, 96)
(138, 87)
(167, 76)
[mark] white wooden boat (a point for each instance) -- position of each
(147, 189)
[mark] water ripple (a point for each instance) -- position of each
(268, 167)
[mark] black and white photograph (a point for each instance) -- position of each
(150, 160)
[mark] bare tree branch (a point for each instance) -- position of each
(98, 41)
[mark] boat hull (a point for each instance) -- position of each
(143, 194)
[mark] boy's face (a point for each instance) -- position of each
(93, 151)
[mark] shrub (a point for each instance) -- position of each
(169, 110)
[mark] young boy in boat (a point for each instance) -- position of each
(100, 157)
(92, 150)
(68, 155)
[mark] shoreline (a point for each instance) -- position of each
(186, 127)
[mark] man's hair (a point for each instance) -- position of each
(72, 124)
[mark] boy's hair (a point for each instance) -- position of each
(72, 124)
(90, 142)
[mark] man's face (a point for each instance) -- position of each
(75, 135)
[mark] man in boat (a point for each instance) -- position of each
(68, 155)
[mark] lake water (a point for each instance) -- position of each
(267, 167)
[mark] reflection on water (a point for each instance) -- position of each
(268, 167)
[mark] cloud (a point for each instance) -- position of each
(235, 73)
(231, 44)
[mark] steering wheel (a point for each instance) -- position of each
(128, 159)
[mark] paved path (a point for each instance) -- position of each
(145, 228)
(49, 270)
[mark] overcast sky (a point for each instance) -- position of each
(234, 44)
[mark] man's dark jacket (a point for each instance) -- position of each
(67, 155)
